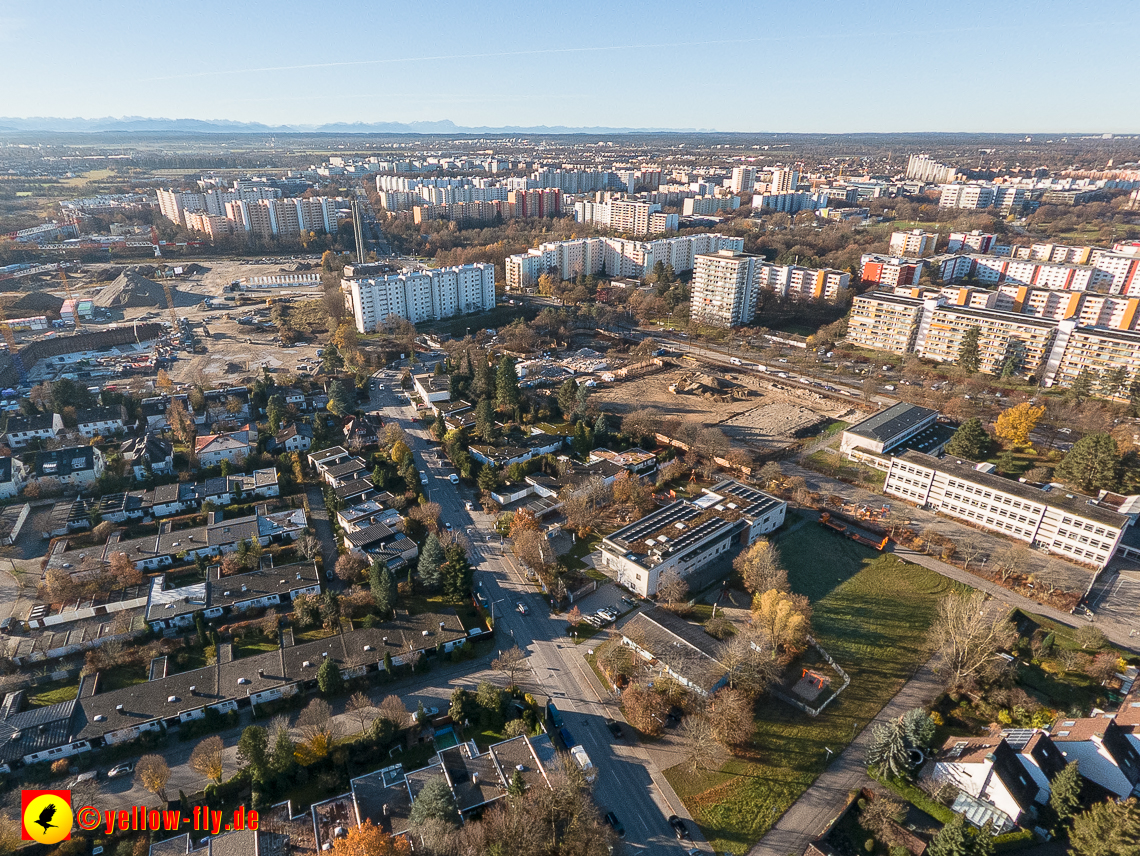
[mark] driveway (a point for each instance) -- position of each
(319, 520)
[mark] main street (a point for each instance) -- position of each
(628, 783)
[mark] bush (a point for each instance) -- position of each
(1013, 840)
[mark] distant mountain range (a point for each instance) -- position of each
(224, 126)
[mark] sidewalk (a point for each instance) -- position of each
(815, 809)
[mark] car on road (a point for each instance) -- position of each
(469, 505)
(679, 827)
(523, 608)
(429, 712)
(121, 770)
(615, 728)
(448, 525)
(618, 827)
(423, 478)
(453, 478)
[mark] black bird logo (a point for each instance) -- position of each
(45, 817)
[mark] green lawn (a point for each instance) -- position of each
(186, 659)
(52, 693)
(849, 471)
(254, 643)
(310, 635)
(118, 677)
(874, 624)
(819, 560)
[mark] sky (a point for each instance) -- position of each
(836, 66)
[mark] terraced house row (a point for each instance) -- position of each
(1057, 351)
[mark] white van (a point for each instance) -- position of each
(735, 361)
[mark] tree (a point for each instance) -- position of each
(152, 773)
(331, 359)
(125, 572)
(760, 568)
(206, 759)
(340, 404)
(181, 423)
(488, 479)
(361, 708)
(878, 815)
(392, 708)
(1092, 463)
(434, 802)
(430, 562)
(1015, 424)
(1065, 792)
(968, 355)
(1088, 636)
(568, 398)
(318, 730)
(457, 573)
(953, 839)
(1107, 829)
(968, 631)
(308, 546)
(511, 662)
(507, 384)
(783, 619)
(918, 728)
(349, 566)
(517, 787)
(672, 588)
(969, 441)
(1081, 387)
(329, 678)
(644, 709)
(523, 521)
(888, 753)
(485, 420)
(383, 587)
(162, 381)
(746, 657)
(253, 750)
(702, 749)
(275, 412)
(367, 839)
(283, 756)
(729, 712)
(583, 442)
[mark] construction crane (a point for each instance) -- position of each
(170, 304)
(70, 296)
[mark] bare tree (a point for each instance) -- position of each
(511, 662)
(393, 709)
(971, 548)
(309, 546)
(362, 708)
(1011, 562)
(749, 663)
(702, 750)
(672, 588)
(319, 731)
(730, 714)
(968, 631)
(206, 759)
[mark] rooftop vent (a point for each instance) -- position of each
(171, 699)
(306, 665)
(193, 690)
(426, 633)
(243, 680)
(261, 673)
(367, 647)
(118, 708)
(98, 718)
(324, 653)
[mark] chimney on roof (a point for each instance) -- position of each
(475, 778)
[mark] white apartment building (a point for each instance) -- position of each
(976, 241)
(725, 286)
(784, 181)
(966, 196)
(884, 322)
(922, 168)
(803, 283)
(1099, 352)
(743, 179)
(1059, 522)
(420, 295)
(611, 256)
(914, 244)
(633, 218)
(785, 203)
(705, 205)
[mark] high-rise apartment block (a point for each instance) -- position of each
(890, 271)
(975, 241)
(976, 196)
(784, 181)
(914, 244)
(727, 284)
(743, 179)
(785, 203)
(611, 256)
(419, 295)
(706, 205)
(632, 218)
(922, 168)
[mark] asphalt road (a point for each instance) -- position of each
(628, 783)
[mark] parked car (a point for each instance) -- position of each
(429, 712)
(522, 608)
(469, 505)
(615, 728)
(612, 820)
(121, 770)
(679, 827)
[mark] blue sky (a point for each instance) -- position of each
(801, 65)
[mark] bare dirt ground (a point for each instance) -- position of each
(765, 419)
